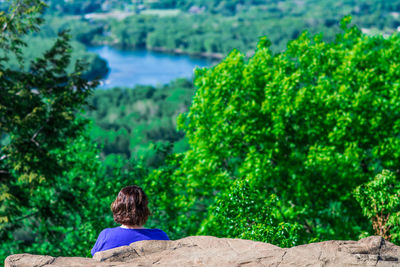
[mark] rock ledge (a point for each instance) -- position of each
(212, 251)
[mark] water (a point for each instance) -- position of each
(132, 67)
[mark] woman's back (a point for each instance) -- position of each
(115, 237)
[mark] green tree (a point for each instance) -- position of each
(308, 125)
(43, 180)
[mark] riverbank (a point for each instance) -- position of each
(177, 51)
(207, 55)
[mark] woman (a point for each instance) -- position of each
(131, 211)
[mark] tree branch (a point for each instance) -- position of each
(35, 135)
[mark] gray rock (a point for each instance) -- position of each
(212, 251)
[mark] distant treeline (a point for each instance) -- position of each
(76, 7)
(224, 7)
(279, 21)
(213, 28)
(217, 27)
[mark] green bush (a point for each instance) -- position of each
(242, 212)
(380, 202)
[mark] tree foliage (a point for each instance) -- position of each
(380, 202)
(55, 191)
(244, 212)
(308, 125)
(48, 169)
(132, 122)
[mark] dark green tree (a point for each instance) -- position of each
(46, 165)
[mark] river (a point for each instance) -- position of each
(132, 67)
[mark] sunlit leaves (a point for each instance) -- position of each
(380, 202)
(309, 124)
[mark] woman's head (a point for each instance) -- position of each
(130, 206)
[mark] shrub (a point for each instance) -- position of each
(380, 202)
(242, 212)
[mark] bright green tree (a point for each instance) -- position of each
(308, 125)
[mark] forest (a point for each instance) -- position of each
(204, 28)
(146, 120)
(292, 138)
(238, 26)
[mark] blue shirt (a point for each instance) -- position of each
(116, 237)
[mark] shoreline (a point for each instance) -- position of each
(177, 51)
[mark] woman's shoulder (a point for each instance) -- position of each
(154, 229)
(107, 231)
(160, 234)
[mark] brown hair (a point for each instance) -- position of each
(130, 206)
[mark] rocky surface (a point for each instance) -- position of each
(212, 251)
